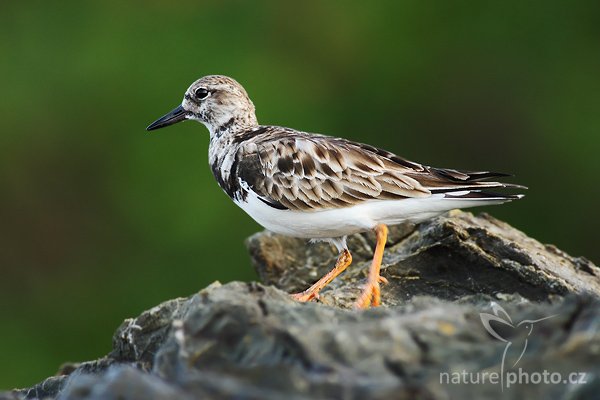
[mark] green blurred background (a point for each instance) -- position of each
(100, 220)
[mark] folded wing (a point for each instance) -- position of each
(301, 171)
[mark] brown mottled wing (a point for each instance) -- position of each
(310, 172)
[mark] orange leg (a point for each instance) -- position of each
(371, 295)
(343, 261)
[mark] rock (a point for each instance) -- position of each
(461, 288)
(449, 257)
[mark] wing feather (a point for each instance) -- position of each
(301, 171)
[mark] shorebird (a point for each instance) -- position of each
(320, 187)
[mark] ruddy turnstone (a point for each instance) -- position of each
(319, 187)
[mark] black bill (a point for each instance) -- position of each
(175, 116)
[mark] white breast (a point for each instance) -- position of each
(339, 222)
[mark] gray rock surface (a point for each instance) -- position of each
(251, 341)
(449, 257)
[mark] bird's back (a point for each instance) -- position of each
(294, 170)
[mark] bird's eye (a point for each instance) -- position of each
(201, 93)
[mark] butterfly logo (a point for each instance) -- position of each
(506, 325)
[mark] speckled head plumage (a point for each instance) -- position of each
(217, 101)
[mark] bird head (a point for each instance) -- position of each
(218, 102)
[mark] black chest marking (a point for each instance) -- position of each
(230, 184)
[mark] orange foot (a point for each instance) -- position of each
(305, 296)
(343, 261)
(371, 295)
